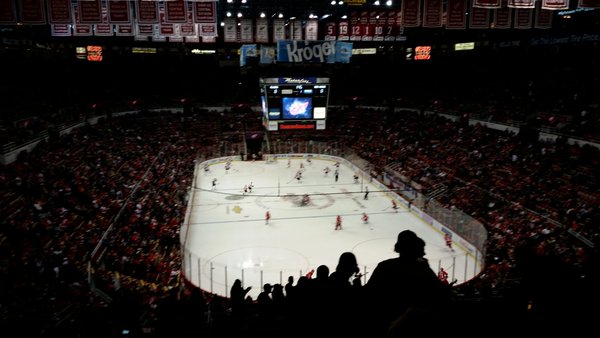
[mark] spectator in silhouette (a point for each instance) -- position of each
(404, 293)
(345, 298)
(238, 302)
(265, 303)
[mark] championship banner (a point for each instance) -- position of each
(32, 12)
(502, 18)
(555, 4)
(119, 11)
(230, 30)
(296, 29)
(175, 11)
(262, 30)
(8, 12)
(59, 11)
(246, 30)
(411, 13)
(479, 18)
(312, 30)
(205, 12)
(278, 30)
(90, 11)
(456, 18)
(523, 18)
(147, 11)
(543, 18)
(313, 51)
(433, 10)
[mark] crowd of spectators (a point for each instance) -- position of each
(128, 177)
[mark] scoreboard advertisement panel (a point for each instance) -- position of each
(294, 103)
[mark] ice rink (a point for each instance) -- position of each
(227, 237)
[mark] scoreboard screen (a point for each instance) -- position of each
(294, 103)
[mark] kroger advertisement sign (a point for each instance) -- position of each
(301, 51)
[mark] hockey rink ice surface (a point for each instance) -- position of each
(228, 237)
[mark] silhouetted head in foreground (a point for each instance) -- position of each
(409, 245)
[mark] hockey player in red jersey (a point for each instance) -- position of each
(338, 223)
(448, 240)
(394, 206)
(443, 276)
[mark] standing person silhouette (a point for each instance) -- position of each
(238, 302)
(404, 292)
(345, 310)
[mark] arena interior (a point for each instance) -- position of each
(111, 139)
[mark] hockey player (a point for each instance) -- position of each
(366, 197)
(394, 206)
(214, 184)
(206, 169)
(305, 200)
(443, 276)
(365, 218)
(298, 176)
(250, 186)
(267, 217)
(326, 171)
(289, 163)
(448, 240)
(338, 223)
(227, 167)
(355, 178)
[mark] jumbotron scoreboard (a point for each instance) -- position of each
(292, 103)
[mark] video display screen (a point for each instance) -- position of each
(294, 102)
(296, 108)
